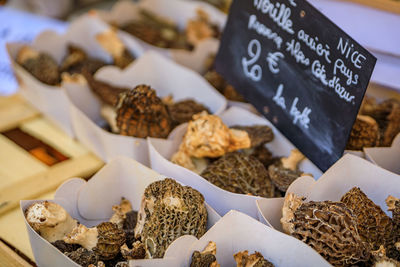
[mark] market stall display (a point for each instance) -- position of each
(164, 92)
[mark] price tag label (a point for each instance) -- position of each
(299, 70)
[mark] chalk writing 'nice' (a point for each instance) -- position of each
(278, 12)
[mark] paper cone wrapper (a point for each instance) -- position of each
(51, 100)
(348, 172)
(237, 232)
(162, 74)
(222, 200)
(91, 203)
(178, 11)
(385, 157)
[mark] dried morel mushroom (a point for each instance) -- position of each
(239, 173)
(105, 239)
(168, 211)
(111, 43)
(365, 133)
(328, 227)
(41, 65)
(120, 212)
(264, 156)
(77, 61)
(140, 113)
(136, 252)
(206, 258)
(129, 225)
(387, 115)
(65, 247)
(83, 257)
(259, 134)
(393, 249)
(243, 259)
(283, 173)
(184, 110)
(208, 136)
(108, 93)
(393, 126)
(379, 259)
(222, 86)
(157, 31)
(373, 225)
(200, 28)
(223, 5)
(50, 220)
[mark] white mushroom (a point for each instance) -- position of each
(50, 220)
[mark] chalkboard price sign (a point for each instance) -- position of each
(299, 70)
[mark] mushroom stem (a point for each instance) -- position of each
(86, 237)
(293, 160)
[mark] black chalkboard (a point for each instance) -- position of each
(299, 70)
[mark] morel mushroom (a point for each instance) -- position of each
(393, 126)
(50, 220)
(108, 93)
(222, 86)
(379, 259)
(120, 212)
(206, 258)
(105, 239)
(77, 61)
(140, 113)
(393, 250)
(200, 28)
(184, 110)
(243, 259)
(83, 257)
(258, 134)
(129, 225)
(136, 252)
(365, 133)
(374, 226)
(239, 173)
(328, 227)
(284, 173)
(41, 65)
(157, 31)
(111, 43)
(168, 211)
(208, 136)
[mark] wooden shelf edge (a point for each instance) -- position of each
(41, 183)
(10, 258)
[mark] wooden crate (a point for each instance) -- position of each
(23, 176)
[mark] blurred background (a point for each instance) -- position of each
(22, 20)
(375, 24)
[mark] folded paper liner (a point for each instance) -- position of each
(51, 100)
(348, 172)
(163, 75)
(180, 12)
(223, 201)
(91, 203)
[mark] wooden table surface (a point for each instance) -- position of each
(24, 176)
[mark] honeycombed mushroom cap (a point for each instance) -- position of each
(168, 211)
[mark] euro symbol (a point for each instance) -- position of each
(272, 60)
